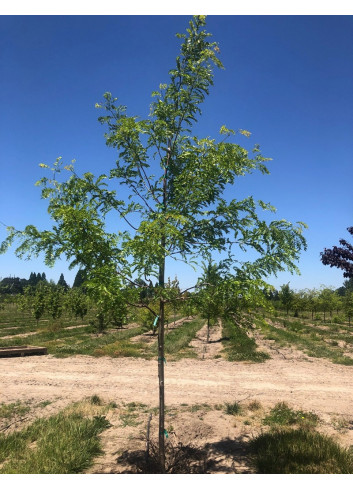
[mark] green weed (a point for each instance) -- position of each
(233, 408)
(283, 415)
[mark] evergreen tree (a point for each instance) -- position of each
(62, 282)
(79, 279)
(32, 279)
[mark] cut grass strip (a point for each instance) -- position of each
(299, 452)
(97, 346)
(63, 343)
(62, 444)
(176, 342)
(305, 338)
(238, 346)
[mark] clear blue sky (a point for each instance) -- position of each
(287, 79)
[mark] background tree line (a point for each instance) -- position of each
(337, 304)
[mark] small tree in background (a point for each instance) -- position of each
(286, 296)
(174, 300)
(55, 300)
(77, 302)
(327, 300)
(209, 296)
(34, 300)
(348, 305)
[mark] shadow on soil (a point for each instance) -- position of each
(227, 456)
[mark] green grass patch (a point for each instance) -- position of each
(299, 452)
(238, 346)
(62, 444)
(283, 415)
(8, 411)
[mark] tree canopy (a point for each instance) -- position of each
(340, 256)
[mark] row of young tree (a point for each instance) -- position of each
(316, 302)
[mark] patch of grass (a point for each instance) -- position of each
(13, 409)
(233, 408)
(129, 419)
(198, 407)
(96, 400)
(123, 348)
(136, 406)
(254, 405)
(62, 444)
(238, 346)
(283, 415)
(342, 424)
(43, 404)
(299, 452)
(131, 412)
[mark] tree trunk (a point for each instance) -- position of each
(161, 359)
(161, 449)
(208, 329)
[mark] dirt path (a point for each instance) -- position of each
(313, 384)
(304, 383)
(208, 350)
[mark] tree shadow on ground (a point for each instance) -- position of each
(226, 456)
(229, 456)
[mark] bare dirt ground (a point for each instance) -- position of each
(304, 383)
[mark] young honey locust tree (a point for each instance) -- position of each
(176, 208)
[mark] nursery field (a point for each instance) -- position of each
(280, 382)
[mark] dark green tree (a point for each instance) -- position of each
(62, 282)
(32, 279)
(79, 278)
